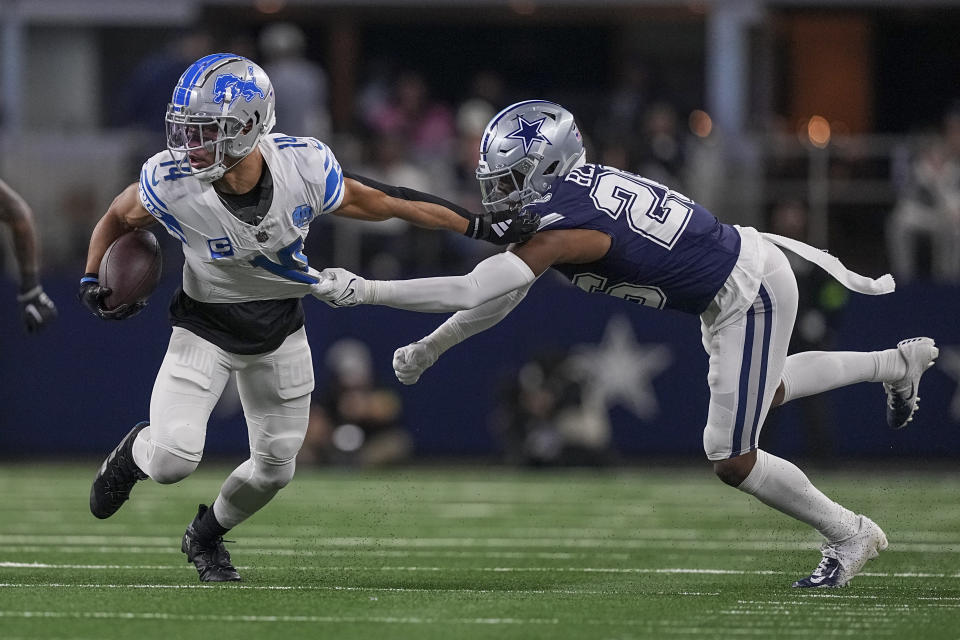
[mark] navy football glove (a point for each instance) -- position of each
(91, 295)
(36, 309)
(503, 227)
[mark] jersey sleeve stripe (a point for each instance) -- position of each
(549, 219)
(149, 194)
(332, 188)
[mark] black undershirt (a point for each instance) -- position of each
(245, 328)
(250, 207)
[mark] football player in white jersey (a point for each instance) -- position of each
(613, 232)
(36, 307)
(240, 200)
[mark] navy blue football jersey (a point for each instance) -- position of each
(666, 252)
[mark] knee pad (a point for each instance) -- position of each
(166, 468)
(273, 476)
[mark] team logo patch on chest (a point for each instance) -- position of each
(302, 215)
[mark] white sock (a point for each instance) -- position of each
(812, 372)
(780, 484)
(143, 450)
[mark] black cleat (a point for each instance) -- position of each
(211, 559)
(117, 475)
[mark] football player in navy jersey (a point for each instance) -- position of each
(240, 200)
(36, 308)
(614, 232)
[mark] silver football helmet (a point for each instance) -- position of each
(524, 149)
(221, 108)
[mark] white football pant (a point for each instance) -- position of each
(747, 357)
(275, 390)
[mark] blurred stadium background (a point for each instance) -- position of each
(834, 121)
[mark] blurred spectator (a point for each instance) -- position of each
(390, 164)
(951, 132)
(488, 87)
(821, 300)
(410, 112)
(661, 156)
(355, 421)
(615, 154)
(705, 174)
(926, 218)
(622, 118)
(394, 248)
(299, 83)
(374, 93)
(545, 422)
(146, 92)
(471, 120)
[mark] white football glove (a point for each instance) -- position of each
(411, 361)
(339, 288)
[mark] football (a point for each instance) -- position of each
(131, 268)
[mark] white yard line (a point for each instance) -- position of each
(268, 543)
(435, 569)
(249, 587)
(129, 615)
(630, 529)
(626, 531)
(334, 553)
(651, 625)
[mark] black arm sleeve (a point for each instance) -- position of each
(410, 194)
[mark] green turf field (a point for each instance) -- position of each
(473, 553)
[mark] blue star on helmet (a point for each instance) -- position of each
(528, 133)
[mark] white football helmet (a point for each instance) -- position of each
(524, 149)
(224, 104)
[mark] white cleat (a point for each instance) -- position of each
(902, 398)
(843, 560)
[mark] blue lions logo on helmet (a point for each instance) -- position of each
(228, 82)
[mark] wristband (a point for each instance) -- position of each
(90, 277)
(473, 227)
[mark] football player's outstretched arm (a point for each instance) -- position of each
(124, 214)
(411, 361)
(36, 308)
(490, 279)
(366, 199)
(575, 246)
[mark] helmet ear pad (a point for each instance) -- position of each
(241, 146)
(543, 175)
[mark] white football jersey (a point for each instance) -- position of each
(227, 260)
